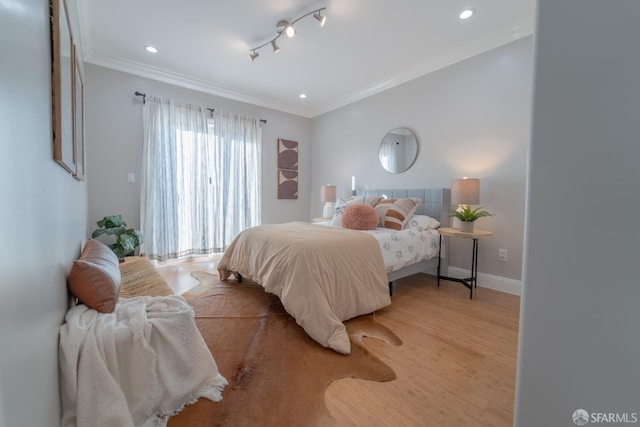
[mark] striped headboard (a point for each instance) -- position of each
(436, 202)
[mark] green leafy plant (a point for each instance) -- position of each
(466, 214)
(127, 239)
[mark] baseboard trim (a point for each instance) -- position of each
(490, 281)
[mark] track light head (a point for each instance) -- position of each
(276, 48)
(286, 27)
(321, 19)
(253, 55)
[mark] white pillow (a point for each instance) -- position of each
(395, 213)
(361, 200)
(337, 212)
(422, 223)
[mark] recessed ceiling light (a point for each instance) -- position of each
(303, 95)
(466, 14)
(151, 49)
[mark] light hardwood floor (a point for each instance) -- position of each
(456, 366)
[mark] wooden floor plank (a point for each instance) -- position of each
(455, 367)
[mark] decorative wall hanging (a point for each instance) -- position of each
(78, 118)
(62, 85)
(287, 169)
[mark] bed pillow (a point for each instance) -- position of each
(360, 217)
(422, 223)
(336, 220)
(95, 277)
(362, 200)
(394, 213)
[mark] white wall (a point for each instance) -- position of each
(471, 118)
(579, 339)
(114, 134)
(43, 217)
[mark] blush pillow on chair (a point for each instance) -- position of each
(95, 277)
(359, 217)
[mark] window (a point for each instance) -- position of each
(201, 180)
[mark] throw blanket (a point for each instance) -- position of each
(322, 275)
(136, 366)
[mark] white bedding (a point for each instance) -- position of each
(405, 247)
(322, 275)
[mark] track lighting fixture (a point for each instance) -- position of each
(321, 19)
(286, 27)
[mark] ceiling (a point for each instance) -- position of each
(366, 46)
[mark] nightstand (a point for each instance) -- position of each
(469, 282)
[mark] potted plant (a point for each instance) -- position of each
(467, 216)
(127, 239)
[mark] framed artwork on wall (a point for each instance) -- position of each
(287, 169)
(78, 117)
(287, 184)
(62, 86)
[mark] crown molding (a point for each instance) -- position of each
(492, 41)
(158, 74)
(498, 38)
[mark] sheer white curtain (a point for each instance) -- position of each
(176, 198)
(201, 179)
(236, 153)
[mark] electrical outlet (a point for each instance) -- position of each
(502, 255)
(131, 177)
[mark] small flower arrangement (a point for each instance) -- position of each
(465, 214)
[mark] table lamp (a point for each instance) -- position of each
(328, 196)
(465, 191)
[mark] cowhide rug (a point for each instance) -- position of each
(277, 374)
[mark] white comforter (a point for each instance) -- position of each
(322, 275)
(133, 367)
(405, 247)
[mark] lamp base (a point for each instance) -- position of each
(327, 212)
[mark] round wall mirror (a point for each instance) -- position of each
(398, 150)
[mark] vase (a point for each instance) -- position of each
(466, 226)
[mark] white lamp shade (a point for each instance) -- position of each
(465, 191)
(328, 193)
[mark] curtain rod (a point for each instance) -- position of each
(211, 110)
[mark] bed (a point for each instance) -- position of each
(326, 275)
(436, 204)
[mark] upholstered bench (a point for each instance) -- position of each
(125, 360)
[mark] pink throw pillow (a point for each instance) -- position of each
(95, 277)
(359, 217)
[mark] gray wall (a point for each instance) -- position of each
(471, 119)
(579, 340)
(43, 217)
(114, 135)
